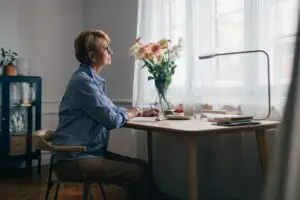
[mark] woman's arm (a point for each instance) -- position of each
(137, 112)
(96, 104)
(132, 112)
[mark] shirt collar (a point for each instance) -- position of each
(92, 72)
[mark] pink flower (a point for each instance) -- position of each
(138, 40)
(141, 52)
(155, 49)
(159, 58)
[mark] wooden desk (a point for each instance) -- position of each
(194, 128)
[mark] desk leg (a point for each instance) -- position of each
(149, 150)
(262, 151)
(193, 185)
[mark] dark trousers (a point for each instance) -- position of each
(132, 174)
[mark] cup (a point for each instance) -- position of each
(197, 110)
(22, 65)
(25, 92)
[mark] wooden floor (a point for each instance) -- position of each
(20, 185)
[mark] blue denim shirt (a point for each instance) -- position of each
(86, 115)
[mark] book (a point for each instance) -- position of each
(237, 123)
(227, 118)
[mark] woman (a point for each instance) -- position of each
(86, 115)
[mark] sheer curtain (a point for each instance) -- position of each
(241, 81)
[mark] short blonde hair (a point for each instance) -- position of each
(85, 44)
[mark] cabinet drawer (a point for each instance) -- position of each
(17, 145)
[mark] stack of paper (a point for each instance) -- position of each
(144, 119)
(226, 117)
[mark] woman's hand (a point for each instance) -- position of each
(150, 113)
(133, 112)
(136, 112)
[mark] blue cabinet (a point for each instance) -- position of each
(20, 114)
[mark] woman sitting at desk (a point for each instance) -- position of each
(86, 115)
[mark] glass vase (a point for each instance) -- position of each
(161, 86)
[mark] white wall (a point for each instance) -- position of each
(8, 23)
(118, 19)
(44, 31)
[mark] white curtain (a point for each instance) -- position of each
(240, 80)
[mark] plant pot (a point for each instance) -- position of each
(10, 70)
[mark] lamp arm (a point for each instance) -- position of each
(269, 83)
(268, 72)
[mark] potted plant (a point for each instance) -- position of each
(7, 60)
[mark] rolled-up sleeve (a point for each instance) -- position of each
(120, 109)
(95, 103)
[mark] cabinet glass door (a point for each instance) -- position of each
(19, 108)
(20, 116)
(1, 107)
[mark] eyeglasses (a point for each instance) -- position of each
(108, 49)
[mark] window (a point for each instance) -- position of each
(228, 6)
(229, 36)
(224, 26)
(230, 21)
(177, 23)
(283, 25)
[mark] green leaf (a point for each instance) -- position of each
(7, 56)
(172, 71)
(150, 78)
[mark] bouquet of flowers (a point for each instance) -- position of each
(159, 58)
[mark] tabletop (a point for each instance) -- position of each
(196, 126)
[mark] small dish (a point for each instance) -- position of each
(178, 117)
(178, 114)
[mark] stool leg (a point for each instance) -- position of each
(49, 186)
(90, 191)
(39, 166)
(56, 191)
(102, 191)
(85, 192)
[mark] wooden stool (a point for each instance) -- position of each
(42, 140)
